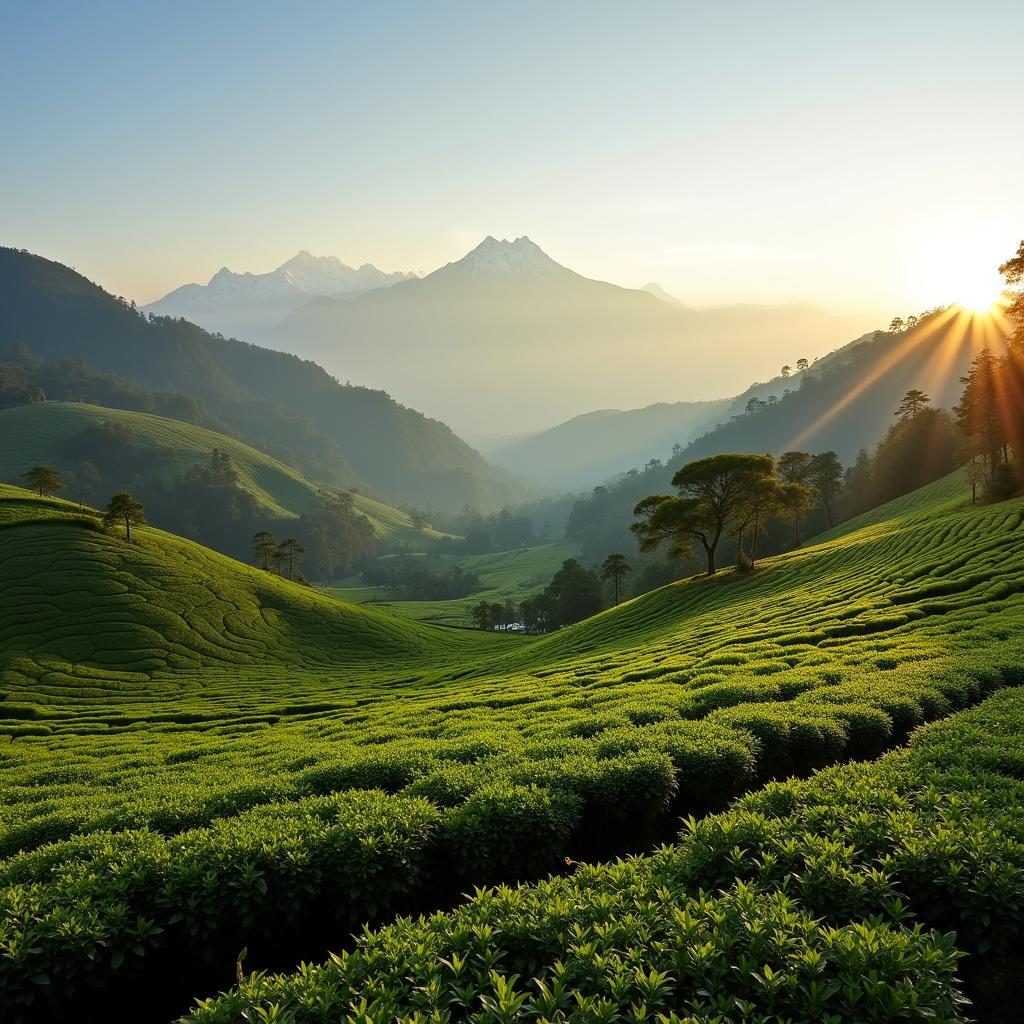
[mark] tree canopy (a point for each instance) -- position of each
(43, 479)
(714, 495)
(124, 509)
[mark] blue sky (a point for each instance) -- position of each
(864, 156)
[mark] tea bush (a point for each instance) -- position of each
(851, 897)
(182, 705)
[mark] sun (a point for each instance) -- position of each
(980, 292)
(962, 272)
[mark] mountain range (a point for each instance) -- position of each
(533, 342)
(589, 449)
(286, 407)
(249, 305)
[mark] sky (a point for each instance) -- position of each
(863, 156)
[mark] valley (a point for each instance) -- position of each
(511, 513)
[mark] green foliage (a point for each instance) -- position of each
(164, 698)
(167, 463)
(849, 897)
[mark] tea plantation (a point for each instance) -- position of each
(202, 757)
(852, 896)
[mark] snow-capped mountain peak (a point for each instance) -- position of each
(250, 304)
(521, 257)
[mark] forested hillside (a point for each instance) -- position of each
(290, 408)
(848, 403)
(198, 483)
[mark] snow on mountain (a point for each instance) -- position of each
(521, 259)
(250, 305)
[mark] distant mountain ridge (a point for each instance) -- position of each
(249, 305)
(508, 340)
(291, 409)
(591, 448)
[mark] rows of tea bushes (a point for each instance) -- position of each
(486, 758)
(849, 897)
(79, 911)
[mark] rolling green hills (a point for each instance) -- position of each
(335, 433)
(190, 739)
(45, 432)
(118, 618)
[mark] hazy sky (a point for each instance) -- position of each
(863, 155)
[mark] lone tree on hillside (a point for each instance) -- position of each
(615, 568)
(291, 552)
(802, 364)
(914, 401)
(125, 508)
(264, 546)
(44, 479)
(714, 495)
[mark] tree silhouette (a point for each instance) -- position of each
(291, 552)
(794, 467)
(615, 568)
(825, 475)
(913, 402)
(896, 327)
(264, 546)
(802, 364)
(124, 509)
(44, 479)
(714, 496)
(796, 498)
(481, 615)
(785, 371)
(979, 415)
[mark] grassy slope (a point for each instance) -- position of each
(504, 575)
(80, 603)
(671, 703)
(893, 578)
(42, 433)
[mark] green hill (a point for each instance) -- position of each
(117, 616)
(338, 434)
(45, 432)
(192, 742)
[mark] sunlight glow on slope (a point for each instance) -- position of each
(962, 328)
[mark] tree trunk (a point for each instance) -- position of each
(127, 528)
(828, 514)
(711, 560)
(796, 523)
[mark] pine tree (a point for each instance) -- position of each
(124, 509)
(44, 479)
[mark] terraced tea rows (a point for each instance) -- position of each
(84, 613)
(849, 897)
(500, 754)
